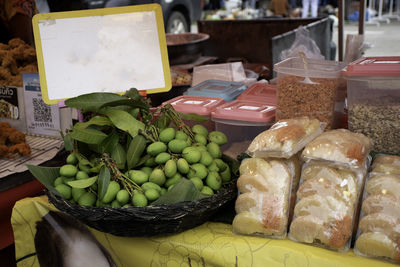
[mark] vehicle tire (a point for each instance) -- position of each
(177, 23)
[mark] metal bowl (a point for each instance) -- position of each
(184, 48)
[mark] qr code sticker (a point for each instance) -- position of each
(41, 111)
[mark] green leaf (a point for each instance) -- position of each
(135, 150)
(233, 164)
(84, 183)
(96, 120)
(126, 102)
(142, 160)
(109, 143)
(92, 102)
(68, 143)
(162, 121)
(193, 117)
(46, 176)
(96, 169)
(124, 121)
(184, 190)
(88, 136)
(82, 159)
(103, 181)
(133, 93)
(119, 156)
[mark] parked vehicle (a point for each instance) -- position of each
(178, 14)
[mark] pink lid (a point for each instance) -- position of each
(201, 105)
(244, 110)
(373, 66)
(260, 92)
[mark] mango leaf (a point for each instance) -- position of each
(133, 93)
(68, 143)
(124, 121)
(162, 121)
(95, 148)
(184, 190)
(46, 176)
(125, 102)
(82, 159)
(193, 117)
(96, 120)
(135, 150)
(233, 164)
(142, 160)
(96, 169)
(88, 136)
(109, 143)
(103, 181)
(83, 183)
(119, 156)
(93, 101)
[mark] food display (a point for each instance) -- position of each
(340, 146)
(15, 58)
(285, 138)
(310, 88)
(378, 231)
(263, 204)
(12, 142)
(374, 101)
(326, 206)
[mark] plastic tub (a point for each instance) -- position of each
(260, 92)
(374, 101)
(229, 91)
(199, 105)
(322, 97)
(242, 121)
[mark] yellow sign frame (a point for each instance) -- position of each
(101, 12)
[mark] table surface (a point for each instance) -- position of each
(211, 244)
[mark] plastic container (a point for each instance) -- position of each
(262, 208)
(316, 91)
(260, 92)
(241, 120)
(327, 205)
(199, 105)
(374, 101)
(229, 91)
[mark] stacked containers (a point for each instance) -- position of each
(314, 89)
(379, 226)
(260, 92)
(229, 91)
(331, 182)
(203, 106)
(265, 184)
(374, 101)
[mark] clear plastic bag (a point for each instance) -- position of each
(302, 43)
(379, 226)
(327, 205)
(387, 164)
(339, 146)
(285, 138)
(232, 72)
(262, 207)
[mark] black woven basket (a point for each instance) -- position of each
(150, 220)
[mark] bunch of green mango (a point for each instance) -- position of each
(161, 165)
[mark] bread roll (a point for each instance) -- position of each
(321, 186)
(386, 159)
(377, 244)
(385, 204)
(380, 222)
(306, 228)
(385, 184)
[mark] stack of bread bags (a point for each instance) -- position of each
(379, 227)
(332, 177)
(267, 178)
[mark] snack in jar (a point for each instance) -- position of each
(262, 206)
(285, 138)
(339, 146)
(326, 206)
(379, 226)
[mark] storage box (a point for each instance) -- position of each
(229, 91)
(199, 105)
(242, 120)
(321, 97)
(260, 92)
(374, 101)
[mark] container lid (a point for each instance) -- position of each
(260, 92)
(317, 68)
(243, 110)
(195, 104)
(215, 88)
(373, 66)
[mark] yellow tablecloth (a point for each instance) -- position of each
(211, 244)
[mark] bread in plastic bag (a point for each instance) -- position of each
(327, 202)
(388, 164)
(285, 138)
(263, 203)
(378, 233)
(340, 146)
